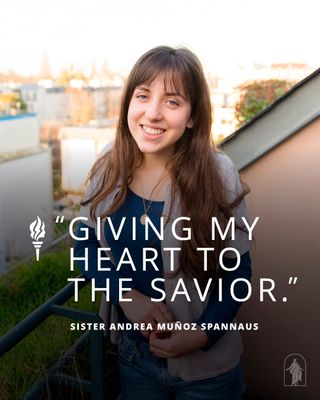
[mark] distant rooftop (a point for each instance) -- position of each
(9, 156)
(18, 116)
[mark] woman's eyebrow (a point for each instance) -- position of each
(175, 94)
(146, 89)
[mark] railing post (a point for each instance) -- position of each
(97, 365)
(96, 342)
(23, 328)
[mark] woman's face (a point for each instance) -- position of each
(157, 119)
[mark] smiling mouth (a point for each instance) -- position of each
(152, 131)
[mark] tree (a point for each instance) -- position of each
(11, 103)
(81, 106)
(256, 96)
(69, 74)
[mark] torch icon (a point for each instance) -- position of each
(37, 229)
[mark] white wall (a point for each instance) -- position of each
(18, 133)
(25, 192)
(80, 147)
(2, 243)
(55, 106)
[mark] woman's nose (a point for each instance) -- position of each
(153, 110)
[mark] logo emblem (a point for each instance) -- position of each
(37, 231)
(295, 371)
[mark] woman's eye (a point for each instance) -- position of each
(173, 103)
(142, 96)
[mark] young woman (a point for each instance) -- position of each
(161, 167)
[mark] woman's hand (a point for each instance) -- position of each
(178, 344)
(142, 309)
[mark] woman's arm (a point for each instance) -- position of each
(141, 308)
(183, 342)
(224, 311)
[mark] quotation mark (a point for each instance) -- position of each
(59, 219)
(292, 281)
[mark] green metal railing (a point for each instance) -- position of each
(95, 339)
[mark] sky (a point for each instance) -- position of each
(223, 33)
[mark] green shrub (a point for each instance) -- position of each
(22, 291)
(256, 96)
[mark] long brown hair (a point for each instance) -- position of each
(193, 169)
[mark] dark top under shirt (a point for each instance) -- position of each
(133, 206)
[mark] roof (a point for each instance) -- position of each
(286, 116)
(9, 156)
(18, 116)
